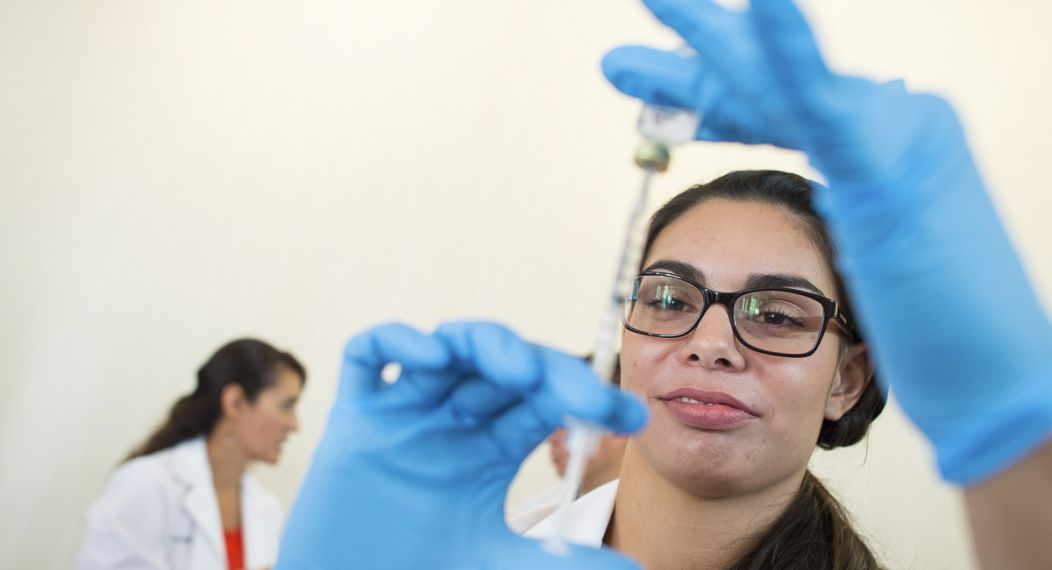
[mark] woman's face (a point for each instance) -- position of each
(725, 419)
(264, 424)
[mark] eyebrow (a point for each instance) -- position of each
(684, 270)
(788, 280)
(754, 281)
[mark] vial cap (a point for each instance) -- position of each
(652, 155)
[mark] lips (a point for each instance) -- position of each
(707, 410)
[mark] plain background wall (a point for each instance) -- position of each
(178, 174)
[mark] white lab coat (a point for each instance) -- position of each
(160, 512)
(586, 522)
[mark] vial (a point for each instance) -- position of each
(662, 127)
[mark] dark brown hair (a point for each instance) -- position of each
(249, 363)
(813, 532)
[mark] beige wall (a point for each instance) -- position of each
(176, 174)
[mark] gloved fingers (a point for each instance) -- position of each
(492, 352)
(657, 77)
(519, 430)
(718, 34)
(629, 415)
(791, 51)
(586, 558)
(569, 390)
(366, 354)
(671, 79)
(476, 400)
(524, 426)
(420, 386)
(726, 117)
(523, 553)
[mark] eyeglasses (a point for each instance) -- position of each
(777, 321)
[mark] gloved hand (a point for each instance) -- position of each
(414, 474)
(943, 299)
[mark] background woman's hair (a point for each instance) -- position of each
(813, 533)
(249, 363)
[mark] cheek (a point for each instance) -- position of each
(640, 357)
(264, 426)
(275, 424)
(797, 391)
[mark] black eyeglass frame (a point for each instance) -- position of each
(832, 311)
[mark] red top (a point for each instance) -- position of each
(235, 551)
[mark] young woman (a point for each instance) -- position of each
(739, 385)
(739, 341)
(183, 499)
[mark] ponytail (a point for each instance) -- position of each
(814, 533)
(188, 418)
(249, 363)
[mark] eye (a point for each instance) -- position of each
(779, 319)
(773, 312)
(667, 297)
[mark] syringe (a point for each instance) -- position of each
(661, 128)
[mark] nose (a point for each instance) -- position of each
(294, 424)
(712, 344)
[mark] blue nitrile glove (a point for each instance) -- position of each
(414, 474)
(955, 326)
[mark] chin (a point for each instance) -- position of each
(718, 485)
(702, 469)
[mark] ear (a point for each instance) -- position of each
(854, 373)
(232, 400)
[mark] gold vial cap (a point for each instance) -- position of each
(652, 156)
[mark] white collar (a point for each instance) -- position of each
(259, 510)
(189, 463)
(587, 520)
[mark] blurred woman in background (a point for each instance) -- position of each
(183, 498)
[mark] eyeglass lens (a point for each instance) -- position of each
(771, 320)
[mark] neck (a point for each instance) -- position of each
(662, 525)
(596, 478)
(227, 460)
